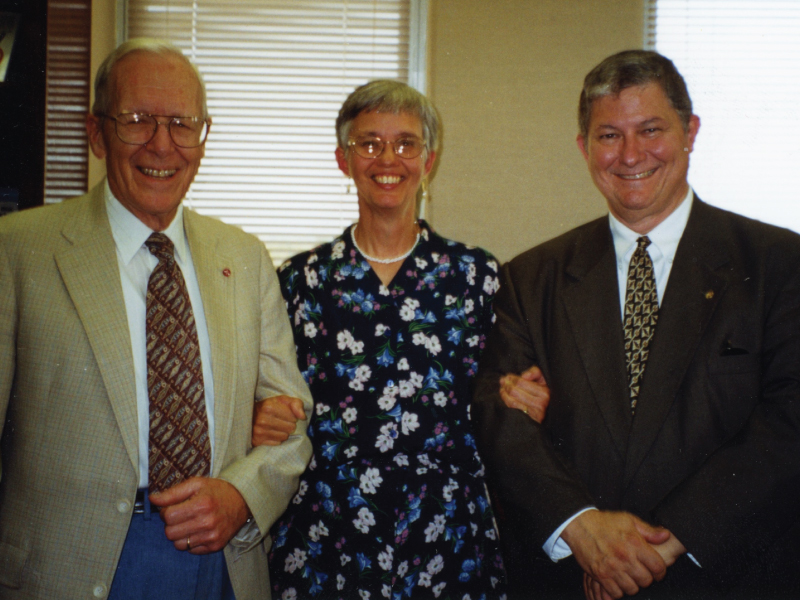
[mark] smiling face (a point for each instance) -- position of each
(150, 180)
(638, 154)
(386, 184)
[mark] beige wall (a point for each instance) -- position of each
(505, 76)
(104, 19)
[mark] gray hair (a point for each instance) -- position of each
(633, 68)
(102, 81)
(389, 96)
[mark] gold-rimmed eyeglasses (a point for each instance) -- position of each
(139, 129)
(372, 147)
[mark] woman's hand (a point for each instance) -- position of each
(527, 392)
(275, 418)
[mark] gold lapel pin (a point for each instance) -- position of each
(709, 294)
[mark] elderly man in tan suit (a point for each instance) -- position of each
(135, 338)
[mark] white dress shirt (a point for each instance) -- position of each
(135, 266)
(664, 239)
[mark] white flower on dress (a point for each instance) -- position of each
(474, 527)
(344, 558)
(289, 594)
(473, 341)
(384, 291)
(490, 533)
(434, 529)
(409, 309)
(380, 329)
(440, 399)
(469, 305)
(406, 389)
(349, 415)
(386, 591)
(447, 490)
(491, 284)
(344, 339)
(386, 402)
(401, 460)
(340, 582)
(322, 408)
(364, 594)
(437, 589)
(312, 258)
(471, 272)
(492, 264)
(309, 329)
(386, 439)
(402, 568)
(370, 481)
(356, 347)
(351, 451)
(402, 364)
(364, 521)
(419, 339)
(448, 300)
(311, 277)
(432, 345)
(315, 531)
(424, 579)
(471, 507)
(421, 262)
(385, 559)
(336, 253)
(295, 561)
(435, 565)
(410, 422)
(416, 379)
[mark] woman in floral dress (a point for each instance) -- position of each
(389, 321)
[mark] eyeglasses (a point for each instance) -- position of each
(186, 132)
(372, 147)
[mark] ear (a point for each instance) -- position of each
(94, 129)
(691, 133)
(429, 162)
(583, 146)
(341, 160)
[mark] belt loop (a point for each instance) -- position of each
(146, 505)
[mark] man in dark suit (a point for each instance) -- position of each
(669, 333)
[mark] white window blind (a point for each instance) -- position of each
(741, 62)
(277, 73)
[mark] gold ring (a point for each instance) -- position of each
(188, 544)
(525, 410)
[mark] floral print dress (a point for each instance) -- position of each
(393, 504)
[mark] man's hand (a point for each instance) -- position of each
(201, 514)
(275, 418)
(614, 550)
(527, 392)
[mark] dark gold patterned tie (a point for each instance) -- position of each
(641, 314)
(179, 444)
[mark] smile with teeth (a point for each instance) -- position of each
(158, 173)
(387, 179)
(637, 175)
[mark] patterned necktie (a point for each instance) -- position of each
(641, 314)
(179, 444)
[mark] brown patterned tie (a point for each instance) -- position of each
(641, 314)
(179, 444)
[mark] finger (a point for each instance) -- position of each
(651, 533)
(610, 589)
(296, 406)
(533, 373)
(177, 493)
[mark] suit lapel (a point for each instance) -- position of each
(217, 292)
(693, 292)
(89, 269)
(592, 306)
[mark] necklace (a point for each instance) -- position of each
(383, 261)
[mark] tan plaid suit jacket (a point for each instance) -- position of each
(69, 444)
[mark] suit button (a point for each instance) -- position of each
(123, 506)
(100, 590)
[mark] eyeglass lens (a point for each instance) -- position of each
(186, 132)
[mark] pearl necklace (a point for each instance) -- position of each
(383, 261)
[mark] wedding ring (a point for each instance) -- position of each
(525, 410)
(188, 544)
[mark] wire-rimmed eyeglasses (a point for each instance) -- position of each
(372, 147)
(139, 129)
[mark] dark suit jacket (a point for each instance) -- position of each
(713, 452)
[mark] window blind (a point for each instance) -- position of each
(67, 99)
(276, 74)
(740, 60)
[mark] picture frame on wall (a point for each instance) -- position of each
(8, 31)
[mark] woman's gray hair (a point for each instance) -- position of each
(633, 68)
(386, 95)
(102, 81)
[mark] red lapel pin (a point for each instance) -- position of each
(226, 271)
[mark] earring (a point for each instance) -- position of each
(424, 190)
(685, 149)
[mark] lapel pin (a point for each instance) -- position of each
(227, 272)
(709, 294)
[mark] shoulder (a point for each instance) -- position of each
(213, 228)
(459, 251)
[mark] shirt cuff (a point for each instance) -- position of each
(555, 547)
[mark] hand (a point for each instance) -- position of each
(614, 550)
(275, 418)
(203, 512)
(527, 392)
(669, 552)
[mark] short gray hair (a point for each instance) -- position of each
(633, 68)
(102, 81)
(386, 95)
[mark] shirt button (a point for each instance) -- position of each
(100, 590)
(123, 506)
